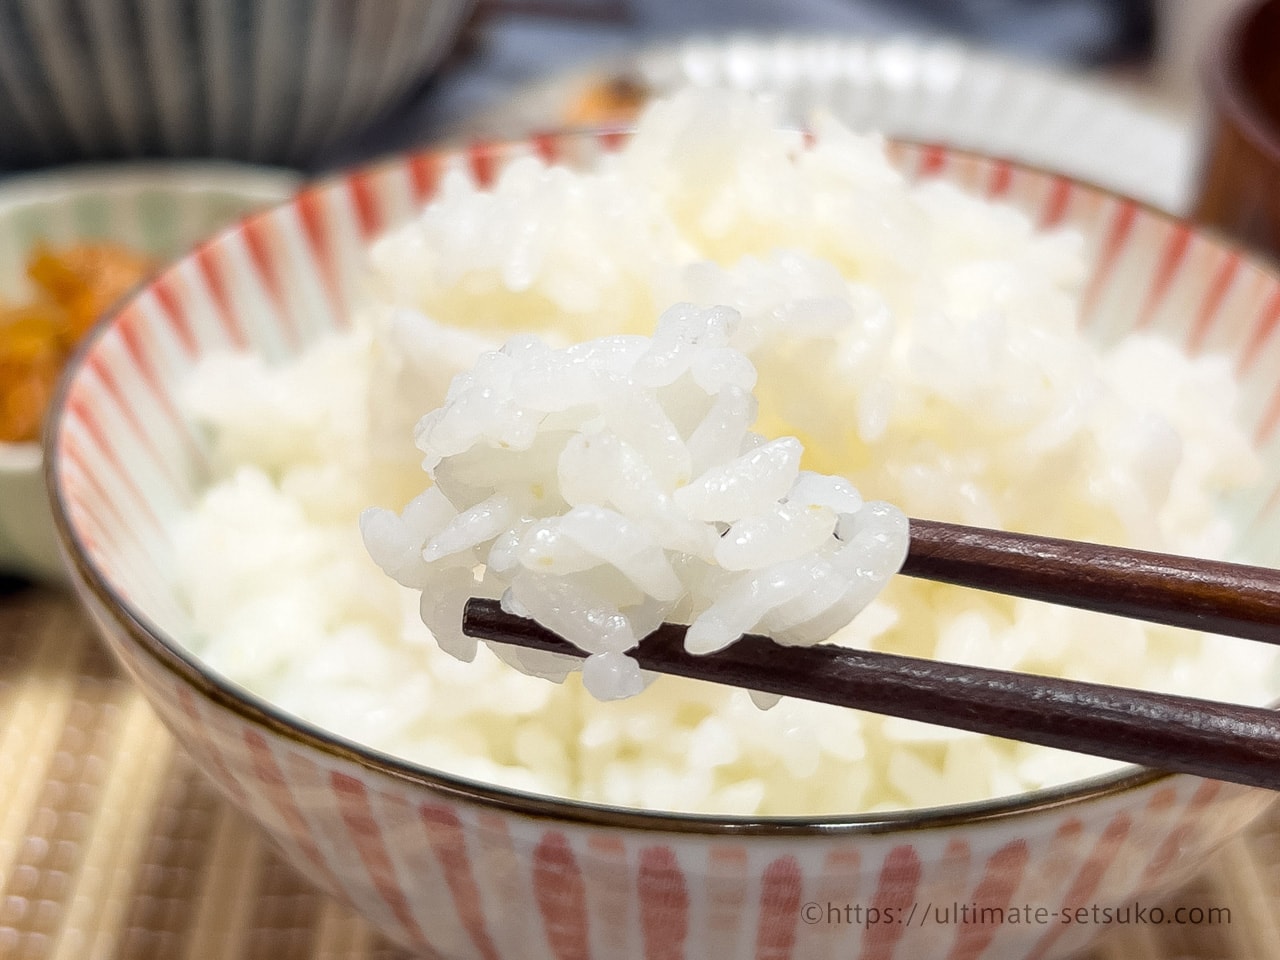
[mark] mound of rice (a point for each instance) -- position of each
(918, 342)
(608, 486)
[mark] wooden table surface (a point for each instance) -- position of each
(112, 846)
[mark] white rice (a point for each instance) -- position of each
(918, 342)
(606, 487)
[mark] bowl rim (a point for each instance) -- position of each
(23, 457)
(65, 183)
(54, 182)
(255, 710)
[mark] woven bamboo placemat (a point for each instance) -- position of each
(112, 846)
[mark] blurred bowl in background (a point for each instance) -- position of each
(155, 209)
(1240, 179)
(924, 89)
(272, 82)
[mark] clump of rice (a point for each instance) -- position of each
(608, 486)
(919, 342)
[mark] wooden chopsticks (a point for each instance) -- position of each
(1209, 595)
(1210, 739)
(1185, 734)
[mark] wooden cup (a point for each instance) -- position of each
(1239, 191)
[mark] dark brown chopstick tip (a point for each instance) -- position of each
(1190, 735)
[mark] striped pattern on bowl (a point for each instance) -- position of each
(460, 870)
(271, 82)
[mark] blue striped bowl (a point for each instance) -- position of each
(272, 81)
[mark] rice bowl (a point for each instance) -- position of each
(451, 862)
(948, 330)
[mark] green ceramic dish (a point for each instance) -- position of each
(161, 209)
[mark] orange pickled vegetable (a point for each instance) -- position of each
(74, 286)
(607, 102)
(86, 279)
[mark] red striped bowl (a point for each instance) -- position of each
(458, 869)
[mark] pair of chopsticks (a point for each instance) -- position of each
(1184, 734)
